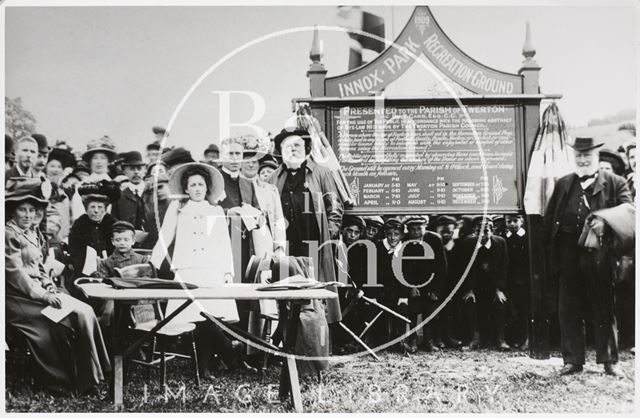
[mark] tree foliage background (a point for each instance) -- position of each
(19, 122)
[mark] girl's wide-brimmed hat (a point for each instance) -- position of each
(104, 144)
(31, 189)
(216, 191)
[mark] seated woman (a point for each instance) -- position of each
(69, 355)
(202, 253)
(93, 229)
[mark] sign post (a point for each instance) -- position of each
(408, 155)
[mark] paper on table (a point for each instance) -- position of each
(90, 261)
(55, 314)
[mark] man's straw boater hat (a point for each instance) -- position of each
(585, 144)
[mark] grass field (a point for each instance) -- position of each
(449, 381)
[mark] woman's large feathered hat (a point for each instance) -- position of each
(32, 189)
(216, 192)
(102, 191)
(104, 144)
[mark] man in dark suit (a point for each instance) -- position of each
(238, 191)
(518, 289)
(449, 317)
(581, 277)
(130, 206)
(387, 252)
(483, 291)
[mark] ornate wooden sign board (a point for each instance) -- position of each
(420, 155)
(423, 35)
(427, 155)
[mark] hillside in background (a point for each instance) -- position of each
(606, 129)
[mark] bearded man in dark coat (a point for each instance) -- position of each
(582, 277)
(310, 205)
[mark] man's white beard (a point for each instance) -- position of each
(585, 171)
(293, 163)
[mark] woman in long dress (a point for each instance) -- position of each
(202, 252)
(69, 355)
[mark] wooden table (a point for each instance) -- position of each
(122, 298)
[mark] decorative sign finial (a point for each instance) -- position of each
(527, 49)
(316, 46)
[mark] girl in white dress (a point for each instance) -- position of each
(201, 256)
(202, 251)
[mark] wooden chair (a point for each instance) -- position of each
(144, 316)
(259, 270)
(264, 311)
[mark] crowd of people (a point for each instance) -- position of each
(86, 214)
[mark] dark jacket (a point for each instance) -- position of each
(455, 267)
(130, 208)
(328, 211)
(13, 172)
(609, 190)
(429, 264)
(518, 247)
(495, 276)
(386, 277)
(106, 268)
(85, 232)
(153, 223)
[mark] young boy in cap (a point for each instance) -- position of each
(374, 228)
(352, 258)
(387, 250)
(483, 291)
(122, 238)
(424, 267)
